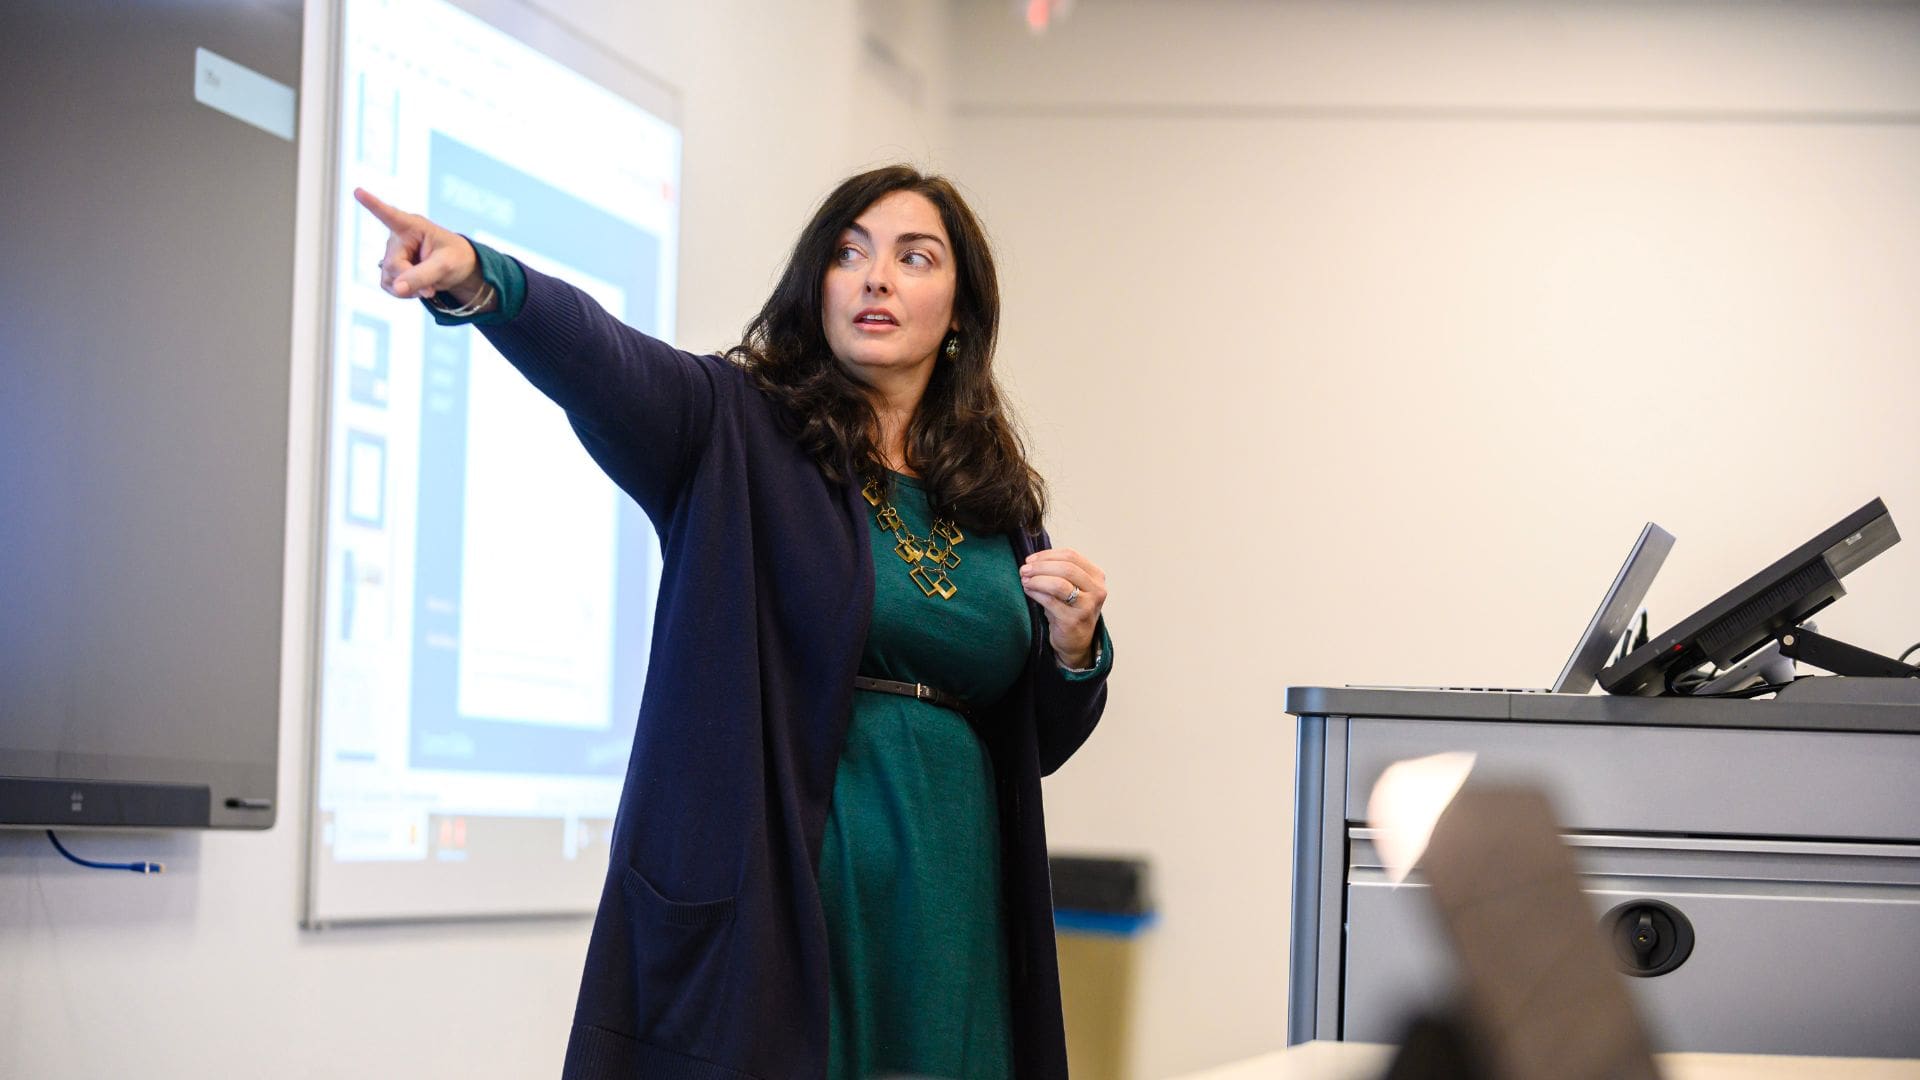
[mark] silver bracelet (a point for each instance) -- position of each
(472, 307)
(1099, 654)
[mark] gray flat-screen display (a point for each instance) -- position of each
(146, 265)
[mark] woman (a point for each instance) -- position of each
(821, 867)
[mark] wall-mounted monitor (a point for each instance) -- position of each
(146, 302)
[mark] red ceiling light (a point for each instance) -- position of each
(1041, 13)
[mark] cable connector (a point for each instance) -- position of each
(136, 867)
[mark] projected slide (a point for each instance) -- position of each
(488, 593)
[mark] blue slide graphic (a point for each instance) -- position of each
(497, 199)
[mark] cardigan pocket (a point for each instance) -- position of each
(679, 954)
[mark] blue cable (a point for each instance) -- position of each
(136, 867)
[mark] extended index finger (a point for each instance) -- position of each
(391, 218)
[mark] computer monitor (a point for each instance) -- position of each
(1747, 617)
(143, 495)
(1616, 610)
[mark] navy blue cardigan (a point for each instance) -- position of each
(708, 957)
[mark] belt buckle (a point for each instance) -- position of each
(923, 691)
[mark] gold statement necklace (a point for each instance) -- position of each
(929, 557)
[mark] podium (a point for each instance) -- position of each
(1783, 835)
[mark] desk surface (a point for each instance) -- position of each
(1871, 705)
(1368, 1061)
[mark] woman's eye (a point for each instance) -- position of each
(917, 258)
(847, 253)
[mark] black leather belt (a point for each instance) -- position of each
(920, 691)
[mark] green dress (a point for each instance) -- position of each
(910, 866)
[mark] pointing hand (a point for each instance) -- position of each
(423, 259)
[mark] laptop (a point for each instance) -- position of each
(1603, 631)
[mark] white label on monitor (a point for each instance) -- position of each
(243, 93)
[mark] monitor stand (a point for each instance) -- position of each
(1829, 654)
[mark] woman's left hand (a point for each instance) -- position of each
(1071, 590)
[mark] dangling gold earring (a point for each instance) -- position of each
(953, 346)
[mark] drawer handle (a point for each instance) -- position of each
(1649, 937)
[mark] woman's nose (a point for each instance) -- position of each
(878, 283)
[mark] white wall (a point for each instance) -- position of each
(203, 972)
(1358, 341)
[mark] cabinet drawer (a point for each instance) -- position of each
(1799, 948)
(1695, 781)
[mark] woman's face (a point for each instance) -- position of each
(887, 301)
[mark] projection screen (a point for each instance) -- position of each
(486, 596)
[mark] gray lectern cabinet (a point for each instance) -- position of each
(1783, 834)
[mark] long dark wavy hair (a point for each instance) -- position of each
(962, 440)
